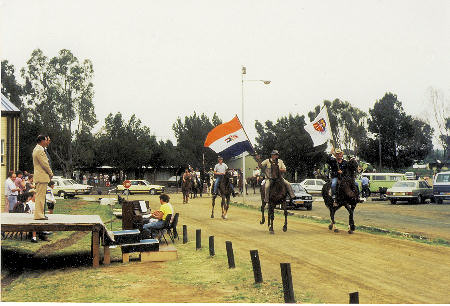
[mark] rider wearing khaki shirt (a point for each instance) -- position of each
(267, 166)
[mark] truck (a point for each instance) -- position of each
(441, 186)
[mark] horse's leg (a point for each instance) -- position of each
(213, 203)
(263, 206)
(225, 203)
(351, 222)
(271, 217)
(285, 216)
(332, 226)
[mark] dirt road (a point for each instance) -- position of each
(324, 264)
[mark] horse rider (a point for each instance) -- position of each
(257, 174)
(338, 165)
(267, 165)
(186, 175)
(219, 171)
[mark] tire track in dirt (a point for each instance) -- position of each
(48, 249)
(330, 265)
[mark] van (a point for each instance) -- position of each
(383, 180)
(441, 186)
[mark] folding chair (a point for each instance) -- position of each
(172, 230)
(165, 227)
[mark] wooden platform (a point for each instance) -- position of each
(19, 222)
(165, 253)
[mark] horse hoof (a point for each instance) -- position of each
(350, 231)
(336, 230)
(271, 232)
(330, 227)
(284, 228)
(212, 216)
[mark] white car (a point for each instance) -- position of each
(313, 185)
(65, 187)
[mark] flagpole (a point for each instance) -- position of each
(244, 71)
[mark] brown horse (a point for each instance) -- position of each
(347, 195)
(225, 191)
(277, 196)
(186, 187)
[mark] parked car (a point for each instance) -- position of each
(65, 187)
(410, 175)
(413, 191)
(441, 186)
(381, 180)
(302, 198)
(172, 181)
(141, 186)
(313, 185)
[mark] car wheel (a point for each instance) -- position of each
(309, 207)
(152, 191)
(62, 194)
(432, 200)
(393, 201)
(439, 201)
(420, 199)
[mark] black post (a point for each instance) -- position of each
(198, 239)
(211, 246)
(354, 298)
(288, 288)
(230, 254)
(185, 236)
(256, 266)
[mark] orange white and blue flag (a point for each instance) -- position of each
(319, 129)
(229, 139)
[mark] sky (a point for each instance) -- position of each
(162, 60)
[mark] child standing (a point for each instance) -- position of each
(49, 197)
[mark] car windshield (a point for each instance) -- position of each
(320, 183)
(72, 182)
(67, 182)
(405, 184)
(297, 188)
(146, 183)
(443, 178)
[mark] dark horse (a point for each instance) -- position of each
(197, 187)
(186, 186)
(346, 195)
(253, 182)
(277, 196)
(225, 191)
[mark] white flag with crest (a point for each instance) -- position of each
(319, 129)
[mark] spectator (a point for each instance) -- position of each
(29, 183)
(50, 198)
(11, 192)
(84, 179)
(20, 183)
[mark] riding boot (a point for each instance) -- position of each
(335, 204)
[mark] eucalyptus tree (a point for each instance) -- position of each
(59, 92)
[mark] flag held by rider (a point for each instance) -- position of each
(229, 139)
(319, 129)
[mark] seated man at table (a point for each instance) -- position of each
(156, 223)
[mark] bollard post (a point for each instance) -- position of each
(354, 298)
(198, 239)
(288, 288)
(256, 266)
(185, 235)
(211, 246)
(230, 254)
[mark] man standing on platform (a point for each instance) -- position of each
(42, 175)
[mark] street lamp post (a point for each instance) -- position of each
(266, 82)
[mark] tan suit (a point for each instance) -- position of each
(42, 175)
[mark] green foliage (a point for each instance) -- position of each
(58, 94)
(191, 135)
(403, 138)
(126, 145)
(289, 137)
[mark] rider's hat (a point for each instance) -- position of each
(338, 151)
(219, 157)
(275, 152)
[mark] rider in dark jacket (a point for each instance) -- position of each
(337, 166)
